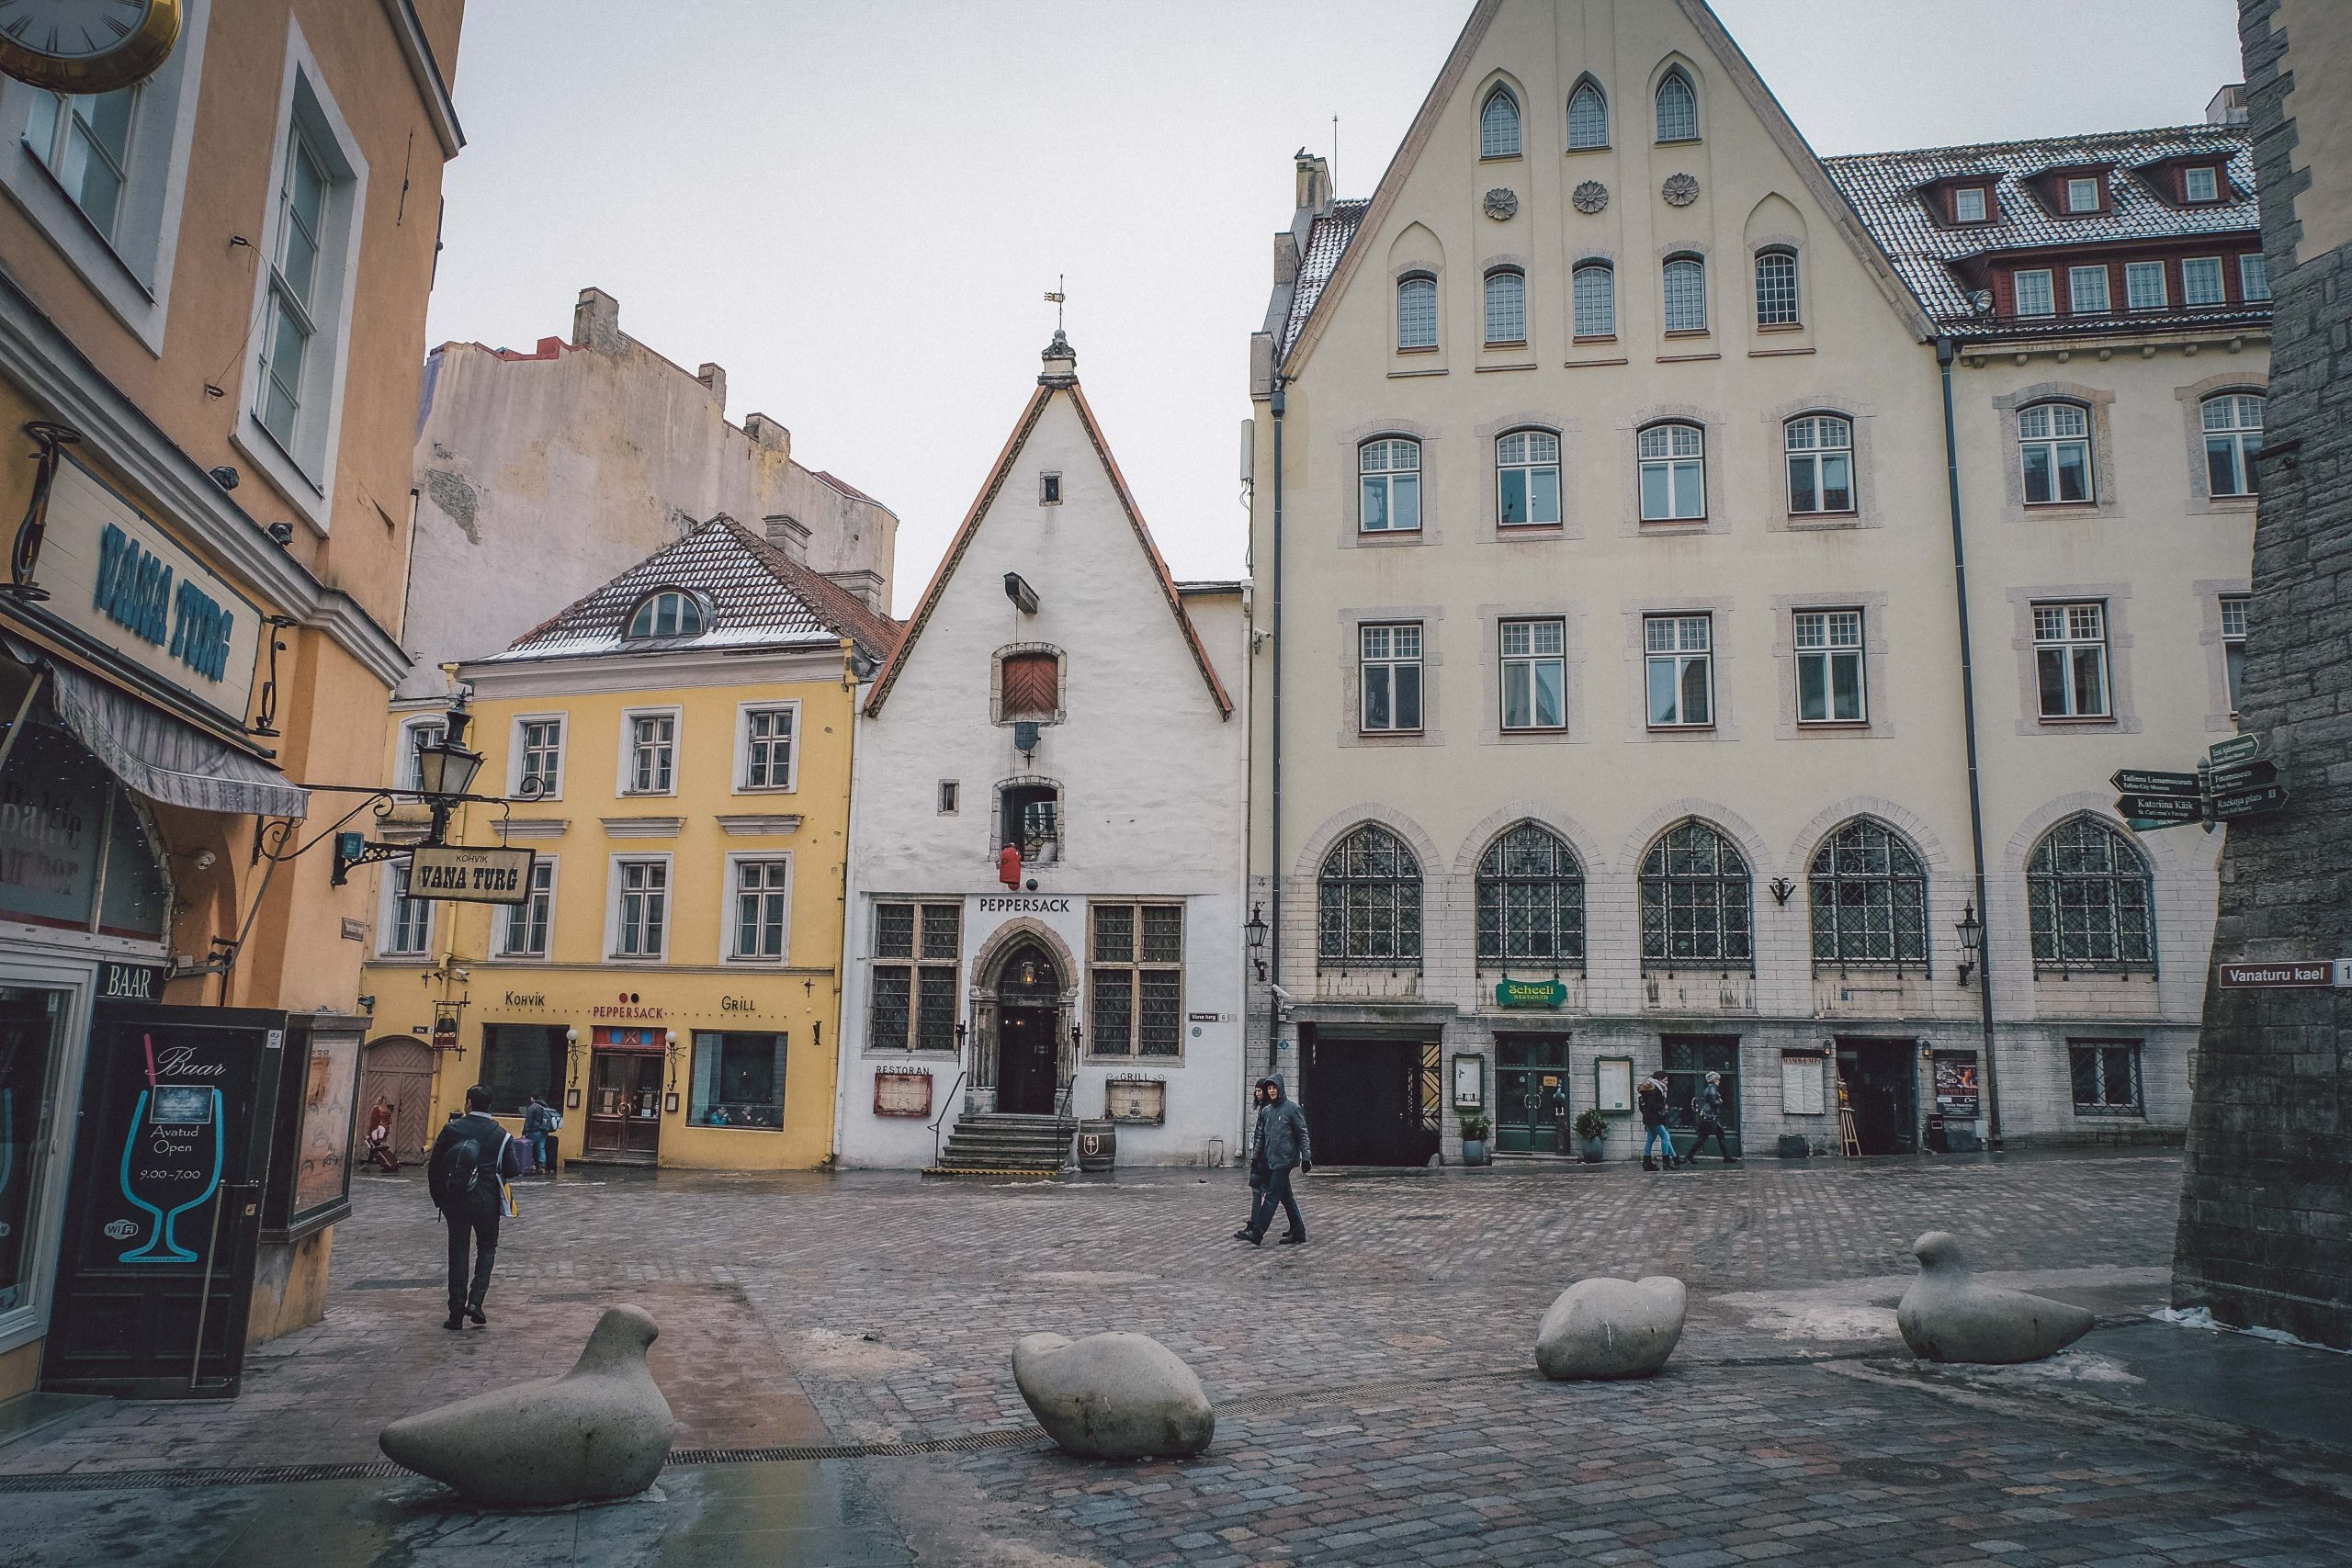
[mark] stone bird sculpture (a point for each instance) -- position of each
(1946, 1316)
(602, 1430)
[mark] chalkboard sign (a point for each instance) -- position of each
(165, 1204)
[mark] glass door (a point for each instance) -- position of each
(1531, 1094)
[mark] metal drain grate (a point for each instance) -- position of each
(180, 1480)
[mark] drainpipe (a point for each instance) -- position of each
(1945, 350)
(1274, 793)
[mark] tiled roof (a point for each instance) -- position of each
(758, 598)
(1327, 241)
(1884, 189)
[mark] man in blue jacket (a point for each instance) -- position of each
(467, 1176)
(1279, 1146)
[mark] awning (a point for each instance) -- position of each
(161, 757)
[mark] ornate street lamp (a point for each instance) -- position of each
(1256, 930)
(446, 769)
(1972, 936)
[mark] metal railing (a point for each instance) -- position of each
(944, 1111)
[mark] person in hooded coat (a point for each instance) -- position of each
(1279, 1146)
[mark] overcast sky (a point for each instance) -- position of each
(856, 208)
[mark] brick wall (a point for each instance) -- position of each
(2266, 1220)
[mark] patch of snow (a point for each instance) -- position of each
(2202, 1317)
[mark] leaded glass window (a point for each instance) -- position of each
(1530, 900)
(1587, 118)
(1695, 901)
(1678, 110)
(1686, 295)
(2090, 896)
(1870, 898)
(1499, 126)
(1368, 901)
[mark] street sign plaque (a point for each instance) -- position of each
(2236, 748)
(2167, 810)
(2292, 975)
(2144, 781)
(2232, 776)
(2249, 802)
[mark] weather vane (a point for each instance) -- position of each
(1057, 297)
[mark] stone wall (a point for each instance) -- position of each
(2266, 1223)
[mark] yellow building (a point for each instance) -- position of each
(212, 295)
(676, 749)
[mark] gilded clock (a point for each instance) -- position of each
(87, 45)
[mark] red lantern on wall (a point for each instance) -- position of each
(1008, 865)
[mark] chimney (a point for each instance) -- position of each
(1061, 363)
(2228, 107)
(597, 322)
(1313, 182)
(714, 378)
(789, 536)
(866, 585)
(766, 433)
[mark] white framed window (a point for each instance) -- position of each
(1506, 305)
(1685, 283)
(2232, 441)
(1388, 669)
(768, 746)
(916, 949)
(1679, 651)
(415, 734)
(2234, 645)
(2143, 286)
(2253, 275)
(2200, 281)
(1673, 463)
(649, 751)
(640, 910)
(2033, 292)
(2086, 292)
(1677, 108)
(526, 929)
(1135, 980)
(2200, 185)
(1535, 669)
(1821, 463)
(2054, 453)
(666, 612)
(291, 411)
(538, 751)
(84, 143)
(1968, 204)
(1594, 284)
(759, 908)
(407, 924)
(1417, 311)
(1776, 288)
(1390, 472)
(1587, 118)
(1499, 126)
(1830, 679)
(2082, 196)
(2070, 659)
(1527, 480)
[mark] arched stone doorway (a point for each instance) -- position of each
(399, 1069)
(1023, 1004)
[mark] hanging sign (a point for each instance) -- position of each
(458, 874)
(1532, 994)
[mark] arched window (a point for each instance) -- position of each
(1694, 900)
(1530, 899)
(2054, 453)
(1595, 286)
(1677, 108)
(668, 611)
(1499, 126)
(1673, 473)
(1587, 117)
(1821, 462)
(2089, 893)
(1368, 901)
(1870, 898)
(2233, 440)
(1390, 471)
(1417, 310)
(1686, 295)
(1776, 288)
(1506, 305)
(1527, 478)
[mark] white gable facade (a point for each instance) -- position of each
(1078, 716)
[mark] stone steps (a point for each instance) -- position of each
(996, 1144)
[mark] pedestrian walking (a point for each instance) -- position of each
(1278, 1146)
(1707, 1115)
(467, 1176)
(1655, 1133)
(538, 1122)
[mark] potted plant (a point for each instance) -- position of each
(1475, 1128)
(1592, 1136)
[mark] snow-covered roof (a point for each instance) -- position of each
(1327, 241)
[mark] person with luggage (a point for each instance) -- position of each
(466, 1177)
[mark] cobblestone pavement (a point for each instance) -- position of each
(1376, 1402)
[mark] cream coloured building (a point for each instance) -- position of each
(1609, 684)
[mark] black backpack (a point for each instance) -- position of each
(460, 1170)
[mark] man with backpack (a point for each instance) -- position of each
(466, 1176)
(1651, 1100)
(1707, 1115)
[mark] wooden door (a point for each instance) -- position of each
(400, 1070)
(624, 1105)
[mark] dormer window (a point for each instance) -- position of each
(667, 613)
(1968, 204)
(2199, 184)
(2082, 195)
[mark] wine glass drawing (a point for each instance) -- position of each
(193, 1115)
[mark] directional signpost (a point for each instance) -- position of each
(2233, 781)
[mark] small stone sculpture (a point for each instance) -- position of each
(1114, 1395)
(1680, 190)
(1946, 1316)
(1589, 198)
(1610, 1328)
(602, 1430)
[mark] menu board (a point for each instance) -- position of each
(1956, 1091)
(322, 1145)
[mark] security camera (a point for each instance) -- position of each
(458, 973)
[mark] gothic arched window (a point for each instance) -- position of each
(1695, 900)
(1530, 899)
(2091, 894)
(1870, 898)
(1368, 901)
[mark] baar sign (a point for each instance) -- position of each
(462, 875)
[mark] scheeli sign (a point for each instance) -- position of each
(2300, 973)
(462, 875)
(1532, 994)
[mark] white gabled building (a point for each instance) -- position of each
(1058, 693)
